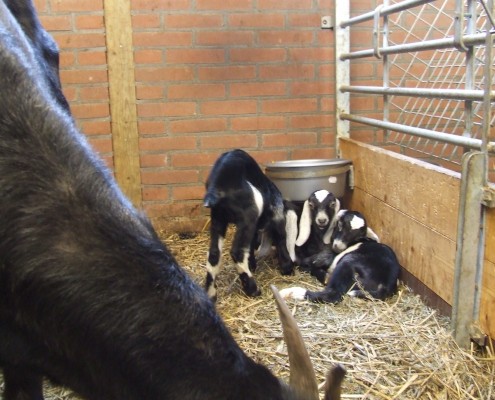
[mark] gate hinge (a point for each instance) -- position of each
(488, 197)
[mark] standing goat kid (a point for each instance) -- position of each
(360, 261)
(239, 193)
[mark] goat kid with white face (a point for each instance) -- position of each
(361, 261)
(316, 226)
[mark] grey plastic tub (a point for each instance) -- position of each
(297, 179)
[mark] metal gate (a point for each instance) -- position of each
(436, 64)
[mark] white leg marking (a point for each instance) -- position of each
(296, 293)
(243, 267)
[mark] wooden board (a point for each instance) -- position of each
(413, 207)
(123, 97)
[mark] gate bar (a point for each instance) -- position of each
(468, 40)
(384, 11)
(451, 94)
(471, 143)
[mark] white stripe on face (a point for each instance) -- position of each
(357, 222)
(321, 194)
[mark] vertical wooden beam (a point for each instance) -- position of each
(121, 79)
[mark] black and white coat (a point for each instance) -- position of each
(360, 267)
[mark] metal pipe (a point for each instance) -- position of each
(444, 137)
(384, 11)
(468, 40)
(453, 94)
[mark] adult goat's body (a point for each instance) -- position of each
(89, 296)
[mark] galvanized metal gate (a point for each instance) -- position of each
(437, 66)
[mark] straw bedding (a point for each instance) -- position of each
(398, 349)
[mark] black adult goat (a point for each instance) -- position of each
(238, 192)
(89, 296)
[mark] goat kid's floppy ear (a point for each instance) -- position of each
(291, 233)
(327, 237)
(304, 225)
(372, 235)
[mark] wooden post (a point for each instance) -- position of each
(123, 112)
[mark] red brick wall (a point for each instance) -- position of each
(211, 75)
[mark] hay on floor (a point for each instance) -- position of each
(397, 349)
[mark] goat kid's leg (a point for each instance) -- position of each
(214, 263)
(279, 235)
(241, 254)
(22, 384)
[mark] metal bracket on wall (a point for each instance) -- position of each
(326, 22)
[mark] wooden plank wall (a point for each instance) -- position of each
(413, 206)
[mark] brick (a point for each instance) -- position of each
(312, 121)
(257, 89)
(229, 141)
(286, 5)
(305, 20)
(226, 73)
(323, 54)
(297, 71)
(193, 21)
(79, 41)
(175, 39)
(265, 20)
(222, 38)
(195, 56)
(56, 22)
(281, 38)
(94, 93)
(196, 91)
(146, 92)
(148, 56)
(152, 160)
(229, 107)
(159, 5)
(188, 192)
(155, 193)
(151, 127)
(327, 105)
(163, 74)
(40, 5)
(224, 5)
(167, 176)
(96, 127)
(167, 143)
(67, 59)
(83, 76)
(312, 88)
(198, 125)
(195, 160)
(62, 6)
(256, 123)
(92, 58)
(257, 55)
(101, 145)
(90, 110)
(168, 109)
(327, 71)
(289, 105)
(89, 22)
(146, 21)
(322, 152)
(288, 139)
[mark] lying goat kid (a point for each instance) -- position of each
(239, 193)
(361, 261)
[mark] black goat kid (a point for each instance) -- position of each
(361, 262)
(89, 296)
(239, 193)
